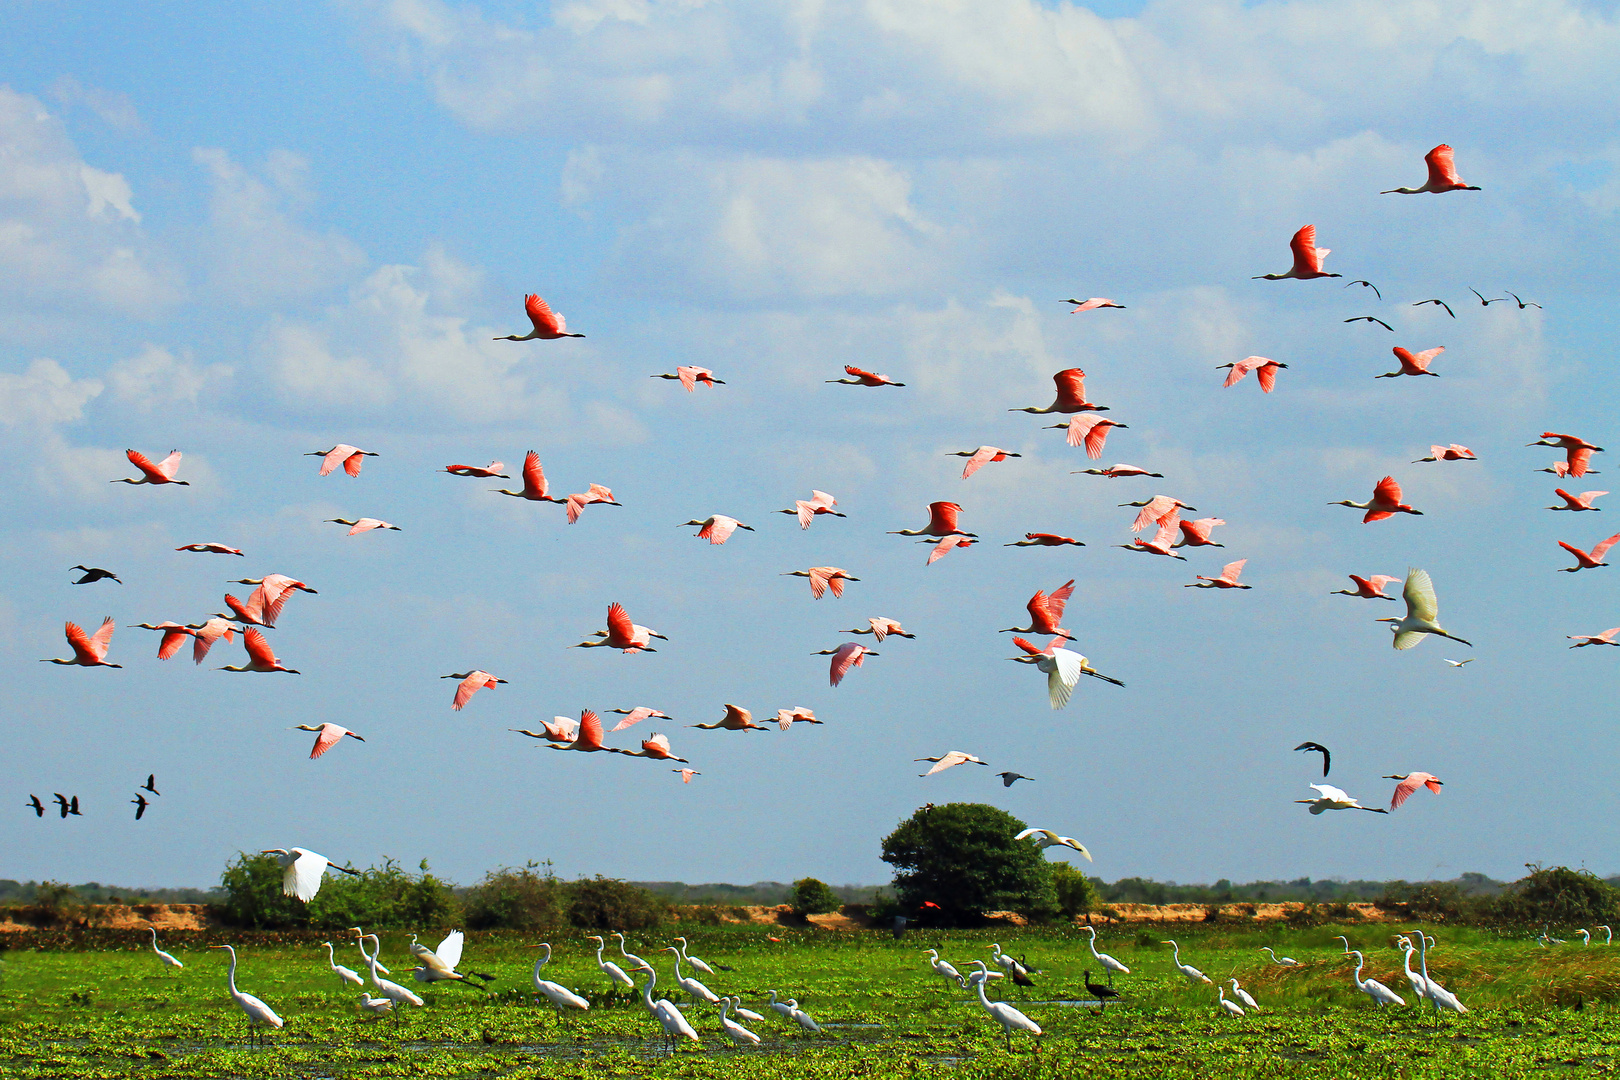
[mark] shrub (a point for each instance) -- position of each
(1436, 901)
(53, 903)
(813, 897)
(1556, 895)
(515, 900)
(1306, 915)
(603, 903)
(384, 897)
(962, 858)
(1076, 895)
(253, 899)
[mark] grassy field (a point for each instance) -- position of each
(117, 1014)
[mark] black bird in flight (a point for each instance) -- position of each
(1008, 778)
(1524, 303)
(140, 805)
(1369, 318)
(1442, 303)
(93, 574)
(1327, 758)
(1369, 285)
(38, 807)
(1487, 303)
(149, 785)
(68, 807)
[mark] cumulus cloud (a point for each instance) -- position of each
(44, 395)
(155, 377)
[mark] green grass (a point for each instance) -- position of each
(116, 1014)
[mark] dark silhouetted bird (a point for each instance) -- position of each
(1327, 757)
(66, 805)
(150, 784)
(140, 805)
(1007, 778)
(1369, 285)
(1103, 994)
(1442, 303)
(93, 574)
(1523, 303)
(1487, 303)
(39, 807)
(1369, 318)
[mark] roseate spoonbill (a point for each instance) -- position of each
(260, 658)
(560, 996)
(1227, 580)
(1413, 363)
(614, 972)
(1580, 502)
(1332, 798)
(1156, 510)
(93, 574)
(1185, 969)
(857, 377)
(1101, 991)
(1280, 961)
(1368, 588)
(346, 976)
(945, 546)
(209, 632)
(302, 871)
(1318, 748)
(1063, 668)
(881, 628)
(89, 650)
(1524, 303)
(667, 1014)
(690, 377)
(365, 524)
(1370, 318)
(1161, 543)
(535, 487)
(272, 594)
(1442, 175)
(687, 774)
(214, 549)
(697, 964)
(949, 760)
(846, 656)
(1046, 612)
(1045, 540)
(1442, 303)
(578, 501)
(1385, 502)
(1448, 453)
(160, 473)
(1368, 284)
(1422, 612)
(786, 718)
(588, 737)
(655, 746)
(823, 578)
(1093, 304)
(1114, 472)
(1307, 258)
(470, 683)
(1380, 994)
(1109, 964)
(163, 958)
(1008, 779)
(174, 635)
(548, 324)
(257, 1012)
(1265, 370)
(1196, 533)
(1577, 452)
(327, 736)
(635, 716)
(350, 457)
(1231, 1008)
(716, 528)
(1605, 638)
(563, 731)
(251, 612)
(1045, 838)
(806, 510)
(621, 633)
(492, 471)
(1588, 560)
(1090, 430)
(737, 1033)
(737, 718)
(942, 522)
(978, 459)
(1008, 1017)
(1071, 395)
(1410, 782)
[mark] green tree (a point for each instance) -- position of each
(1076, 895)
(383, 897)
(528, 898)
(1557, 895)
(253, 899)
(813, 897)
(962, 857)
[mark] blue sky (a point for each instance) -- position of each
(253, 235)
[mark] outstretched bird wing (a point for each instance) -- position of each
(540, 314)
(1066, 670)
(1421, 602)
(1327, 756)
(1600, 550)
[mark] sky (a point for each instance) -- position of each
(253, 234)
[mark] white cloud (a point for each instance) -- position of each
(44, 395)
(155, 377)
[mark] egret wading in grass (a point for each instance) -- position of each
(1244, 996)
(1186, 969)
(560, 996)
(669, 1017)
(942, 968)
(257, 1012)
(616, 974)
(694, 989)
(163, 958)
(802, 1018)
(1437, 994)
(346, 976)
(376, 1006)
(697, 964)
(1280, 961)
(1109, 964)
(1231, 1008)
(1420, 986)
(735, 1031)
(391, 990)
(1380, 994)
(1008, 1017)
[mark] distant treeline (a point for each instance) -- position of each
(759, 893)
(1329, 890)
(93, 892)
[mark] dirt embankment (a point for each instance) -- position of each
(117, 917)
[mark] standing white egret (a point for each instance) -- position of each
(614, 972)
(1422, 613)
(635, 961)
(1608, 935)
(1439, 995)
(941, 967)
(1232, 1008)
(1002, 960)
(1109, 964)
(694, 989)
(668, 1016)
(163, 958)
(391, 990)
(802, 1018)
(1381, 995)
(346, 976)
(1244, 996)
(780, 1007)
(555, 993)
(257, 1011)
(1004, 1014)
(1281, 961)
(303, 870)
(739, 1034)
(1586, 938)
(1186, 969)
(1420, 986)
(690, 959)
(376, 1006)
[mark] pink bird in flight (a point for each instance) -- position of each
(548, 324)
(1307, 258)
(471, 682)
(160, 473)
(350, 457)
(1442, 175)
